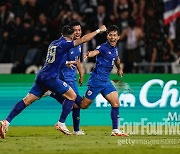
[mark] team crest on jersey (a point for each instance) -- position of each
(64, 84)
(109, 53)
(72, 52)
(89, 92)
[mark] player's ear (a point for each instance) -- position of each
(119, 37)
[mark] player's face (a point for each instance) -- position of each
(113, 37)
(77, 32)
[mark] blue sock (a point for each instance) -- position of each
(76, 118)
(60, 99)
(66, 109)
(19, 107)
(78, 100)
(115, 117)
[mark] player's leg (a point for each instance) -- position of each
(61, 88)
(90, 95)
(66, 109)
(60, 99)
(19, 107)
(111, 96)
(76, 110)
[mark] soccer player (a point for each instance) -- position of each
(99, 82)
(48, 78)
(68, 74)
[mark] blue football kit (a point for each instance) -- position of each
(68, 74)
(99, 81)
(48, 76)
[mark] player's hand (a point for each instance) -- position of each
(81, 79)
(120, 72)
(102, 28)
(85, 55)
(71, 64)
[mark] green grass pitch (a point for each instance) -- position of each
(47, 140)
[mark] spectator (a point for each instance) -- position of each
(123, 23)
(133, 34)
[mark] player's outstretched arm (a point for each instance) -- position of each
(89, 36)
(91, 54)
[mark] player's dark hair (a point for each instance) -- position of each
(67, 30)
(113, 28)
(74, 23)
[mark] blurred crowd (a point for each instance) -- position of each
(28, 26)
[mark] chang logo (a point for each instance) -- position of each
(169, 93)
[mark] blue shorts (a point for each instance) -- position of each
(54, 84)
(60, 98)
(96, 86)
(73, 85)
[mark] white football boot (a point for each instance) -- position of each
(62, 127)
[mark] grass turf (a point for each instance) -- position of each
(46, 140)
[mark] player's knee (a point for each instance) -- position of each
(29, 99)
(115, 104)
(84, 106)
(74, 96)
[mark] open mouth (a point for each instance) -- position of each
(77, 36)
(113, 40)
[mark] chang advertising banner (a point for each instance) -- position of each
(143, 98)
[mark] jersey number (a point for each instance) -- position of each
(51, 54)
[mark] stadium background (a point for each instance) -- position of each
(28, 26)
(47, 111)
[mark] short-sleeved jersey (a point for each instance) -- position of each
(66, 73)
(104, 61)
(56, 56)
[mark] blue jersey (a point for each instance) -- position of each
(66, 73)
(104, 61)
(56, 57)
